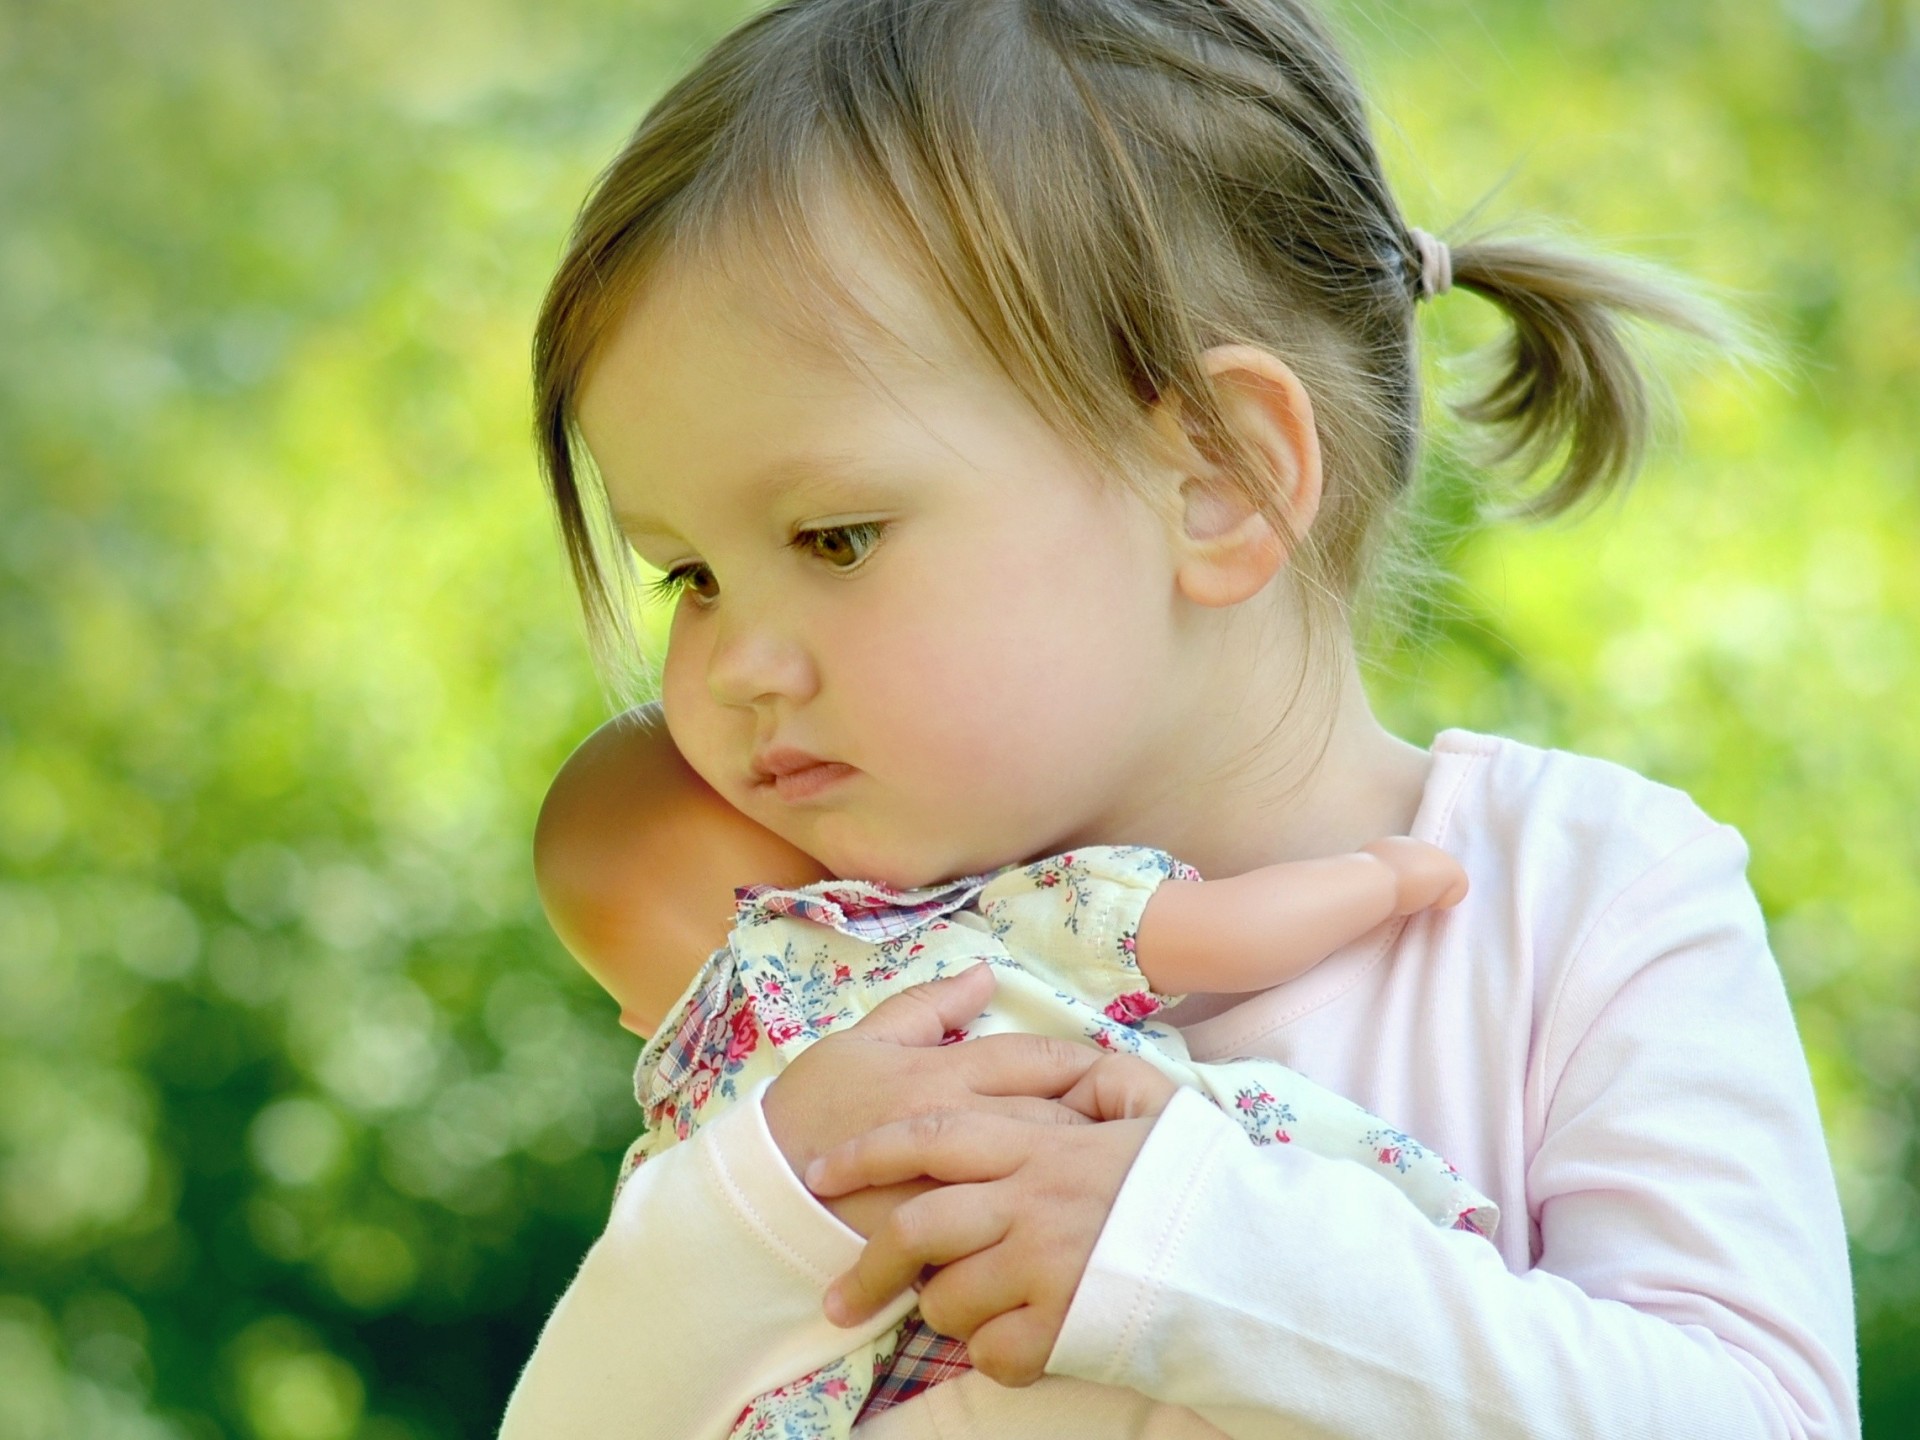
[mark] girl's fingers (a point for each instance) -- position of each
(932, 1229)
(1011, 1064)
(969, 1291)
(923, 1014)
(954, 1146)
(1029, 1110)
(1012, 1349)
(1120, 1087)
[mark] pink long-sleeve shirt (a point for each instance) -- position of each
(1598, 1037)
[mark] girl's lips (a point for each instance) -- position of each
(809, 781)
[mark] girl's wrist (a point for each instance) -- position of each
(784, 1125)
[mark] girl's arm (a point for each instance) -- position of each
(1692, 1272)
(703, 1292)
(1268, 926)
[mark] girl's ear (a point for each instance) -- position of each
(1228, 548)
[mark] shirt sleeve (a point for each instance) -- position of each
(703, 1292)
(1692, 1275)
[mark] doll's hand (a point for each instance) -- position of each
(1011, 1230)
(1426, 876)
(891, 1066)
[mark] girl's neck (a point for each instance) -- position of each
(1272, 793)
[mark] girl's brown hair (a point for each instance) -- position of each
(1100, 190)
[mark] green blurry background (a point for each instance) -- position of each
(304, 1118)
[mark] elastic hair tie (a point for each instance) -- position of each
(1436, 264)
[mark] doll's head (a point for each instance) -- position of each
(638, 860)
(975, 371)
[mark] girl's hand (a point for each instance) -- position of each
(891, 1066)
(1013, 1225)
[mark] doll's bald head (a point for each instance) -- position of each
(637, 859)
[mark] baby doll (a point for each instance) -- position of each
(1088, 945)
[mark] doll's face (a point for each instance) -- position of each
(916, 581)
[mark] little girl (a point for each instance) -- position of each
(1012, 394)
(1087, 946)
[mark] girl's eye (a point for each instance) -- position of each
(843, 547)
(682, 579)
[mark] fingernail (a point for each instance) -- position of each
(834, 1307)
(811, 1175)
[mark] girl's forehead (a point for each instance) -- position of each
(734, 425)
(718, 369)
(843, 299)
(715, 381)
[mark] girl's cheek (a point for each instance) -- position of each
(684, 666)
(944, 718)
(681, 694)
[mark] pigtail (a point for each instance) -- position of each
(1568, 375)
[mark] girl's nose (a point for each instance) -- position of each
(754, 661)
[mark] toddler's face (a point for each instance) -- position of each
(920, 585)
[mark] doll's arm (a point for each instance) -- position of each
(637, 858)
(1250, 931)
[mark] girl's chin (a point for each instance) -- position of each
(910, 853)
(896, 865)
(894, 875)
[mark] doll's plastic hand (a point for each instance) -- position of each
(1427, 876)
(1011, 1232)
(892, 1066)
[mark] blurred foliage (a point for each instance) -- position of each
(304, 1118)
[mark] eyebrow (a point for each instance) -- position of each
(771, 482)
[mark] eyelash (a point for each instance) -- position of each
(670, 585)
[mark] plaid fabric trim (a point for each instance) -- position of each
(921, 1360)
(668, 1058)
(864, 909)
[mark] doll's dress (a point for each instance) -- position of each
(800, 964)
